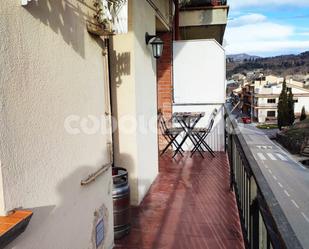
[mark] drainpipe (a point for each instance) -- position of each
(176, 20)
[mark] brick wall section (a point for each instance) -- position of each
(165, 80)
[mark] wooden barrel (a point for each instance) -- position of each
(121, 200)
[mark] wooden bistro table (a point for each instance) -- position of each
(187, 121)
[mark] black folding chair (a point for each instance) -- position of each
(201, 134)
(170, 135)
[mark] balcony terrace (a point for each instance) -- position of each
(228, 201)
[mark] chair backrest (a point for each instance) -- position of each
(214, 113)
(162, 123)
(211, 123)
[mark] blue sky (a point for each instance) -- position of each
(267, 28)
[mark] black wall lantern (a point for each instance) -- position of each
(156, 43)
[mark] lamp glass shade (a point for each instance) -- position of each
(157, 47)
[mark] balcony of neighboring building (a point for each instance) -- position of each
(266, 106)
(203, 19)
(266, 103)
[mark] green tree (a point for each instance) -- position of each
(283, 107)
(303, 114)
(290, 113)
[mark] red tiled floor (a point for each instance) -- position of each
(189, 206)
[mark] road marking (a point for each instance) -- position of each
(271, 156)
(275, 178)
(295, 204)
(287, 193)
(264, 147)
(270, 171)
(287, 155)
(281, 186)
(261, 156)
(281, 157)
(305, 216)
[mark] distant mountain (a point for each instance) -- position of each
(282, 65)
(241, 57)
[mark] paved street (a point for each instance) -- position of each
(288, 179)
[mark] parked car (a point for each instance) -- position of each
(246, 120)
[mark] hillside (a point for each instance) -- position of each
(241, 57)
(278, 65)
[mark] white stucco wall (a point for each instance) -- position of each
(146, 96)
(302, 101)
(263, 114)
(199, 72)
(264, 101)
(134, 100)
(50, 68)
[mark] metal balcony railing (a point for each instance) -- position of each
(202, 3)
(263, 221)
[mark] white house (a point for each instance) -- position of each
(266, 97)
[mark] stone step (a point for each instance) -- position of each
(306, 150)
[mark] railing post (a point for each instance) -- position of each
(254, 216)
(254, 235)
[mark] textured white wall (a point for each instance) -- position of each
(146, 97)
(134, 99)
(199, 72)
(124, 102)
(50, 67)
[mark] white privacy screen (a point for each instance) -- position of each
(199, 72)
